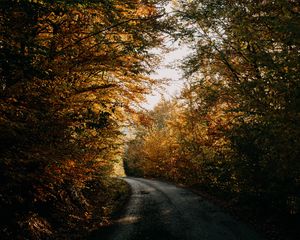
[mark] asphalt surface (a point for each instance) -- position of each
(162, 211)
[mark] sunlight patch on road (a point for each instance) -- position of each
(129, 220)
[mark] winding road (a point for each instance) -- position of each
(162, 211)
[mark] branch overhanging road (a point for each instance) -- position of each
(162, 211)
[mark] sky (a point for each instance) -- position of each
(165, 70)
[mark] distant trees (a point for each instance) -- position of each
(237, 124)
(70, 73)
(150, 152)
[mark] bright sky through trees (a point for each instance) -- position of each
(167, 70)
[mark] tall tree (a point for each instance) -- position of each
(250, 50)
(70, 73)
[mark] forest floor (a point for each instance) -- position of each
(77, 215)
(106, 200)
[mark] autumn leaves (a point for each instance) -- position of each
(233, 128)
(71, 72)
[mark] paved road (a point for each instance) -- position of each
(161, 211)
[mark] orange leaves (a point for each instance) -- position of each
(73, 73)
(144, 120)
(179, 141)
(145, 10)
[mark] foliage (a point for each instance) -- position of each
(73, 71)
(70, 73)
(236, 124)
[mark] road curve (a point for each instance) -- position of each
(162, 211)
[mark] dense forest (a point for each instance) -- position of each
(73, 75)
(234, 130)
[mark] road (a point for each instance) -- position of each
(162, 211)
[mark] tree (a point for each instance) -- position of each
(235, 125)
(250, 51)
(70, 73)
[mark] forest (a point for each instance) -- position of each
(74, 74)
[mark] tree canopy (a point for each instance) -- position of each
(74, 72)
(71, 72)
(234, 129)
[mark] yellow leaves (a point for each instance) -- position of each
(145, 10)
(91, 97)
(93, 133)
(96, 108)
